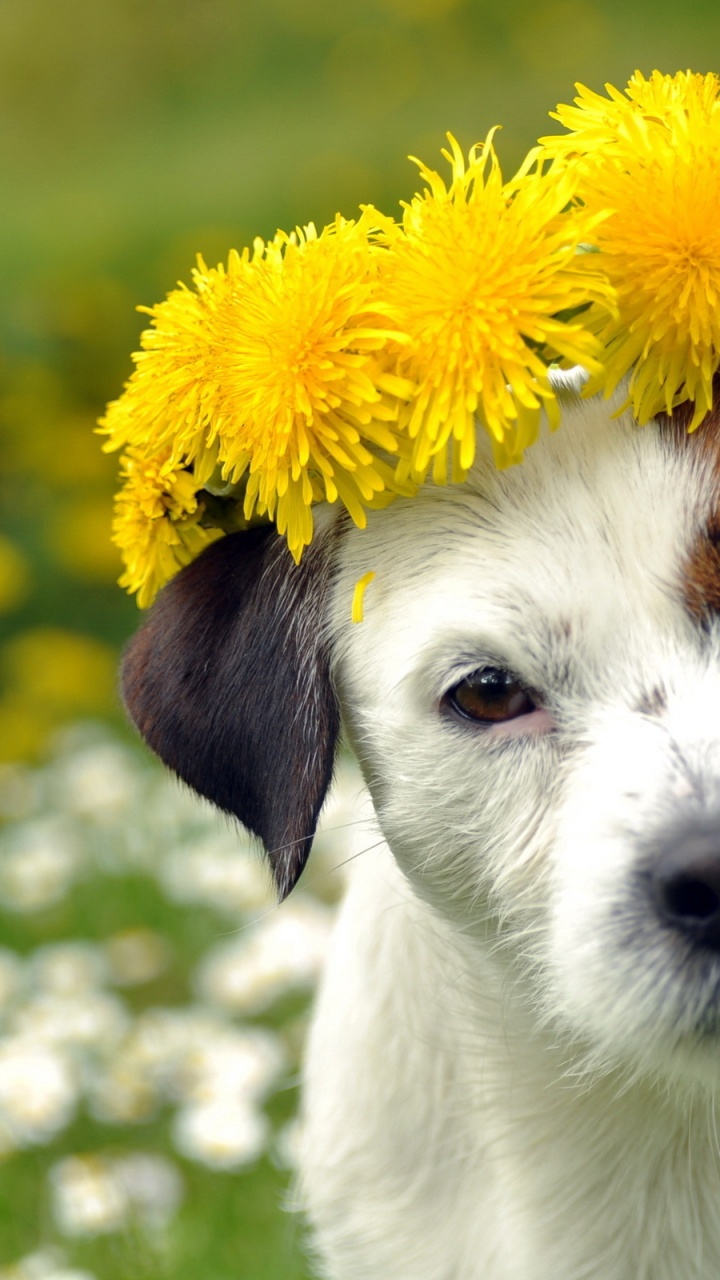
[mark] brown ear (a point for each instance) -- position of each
(228, 682)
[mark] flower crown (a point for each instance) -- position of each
(351, 365)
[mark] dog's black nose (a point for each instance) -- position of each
(686, 884)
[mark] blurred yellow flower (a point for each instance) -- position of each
(48, 675)
(14, 575)
(60, 672)
(649, 160)
(474, 280)
(157, 521)
(24, 727)
(80, 539)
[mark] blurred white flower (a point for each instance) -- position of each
(219, 871)
(68, 968)
(136, 956)
(38, 862)
(146, 1067)
(64, 1273)
(96, 1195)
(11, 976)
(120, 1091)
(45, 1264)
(235, 1064)
(38, 1092)
(100, 808)
(19, 792)
(183, 1055)
(223, 1134)
(283, 952)
(94, 1020)
(64, 1004)
(153, 1186)
(99, 782)
(87, 1196)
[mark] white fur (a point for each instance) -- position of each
(506, 1077)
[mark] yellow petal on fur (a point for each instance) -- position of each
(361, 586)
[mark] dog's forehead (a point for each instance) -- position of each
(603, 526)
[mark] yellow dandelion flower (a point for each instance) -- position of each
(305, 400)
(274, 368)
(474, 281)
(655, 173)
(157, 521)
(170, 401)
(623, 116)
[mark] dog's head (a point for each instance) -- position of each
(534, 696)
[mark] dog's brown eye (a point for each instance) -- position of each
(490, 696)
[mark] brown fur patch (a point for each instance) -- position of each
(702, 578)
(701, 572)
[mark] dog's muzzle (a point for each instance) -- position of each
(685, 882)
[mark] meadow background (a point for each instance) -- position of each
(152, 1000)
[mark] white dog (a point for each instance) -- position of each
(514, 1068)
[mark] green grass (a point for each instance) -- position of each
(230, 1225)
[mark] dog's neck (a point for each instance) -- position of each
(597, 1173)
(525, 1167)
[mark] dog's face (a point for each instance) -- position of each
(534, 696)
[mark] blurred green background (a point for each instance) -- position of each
(133, 135)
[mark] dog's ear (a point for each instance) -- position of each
(228, 681)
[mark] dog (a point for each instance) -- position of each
(513, 1070)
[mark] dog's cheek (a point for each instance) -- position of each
(470, 822)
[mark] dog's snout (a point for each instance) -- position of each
(686, 883)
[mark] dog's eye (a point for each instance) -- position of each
(490, 696)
